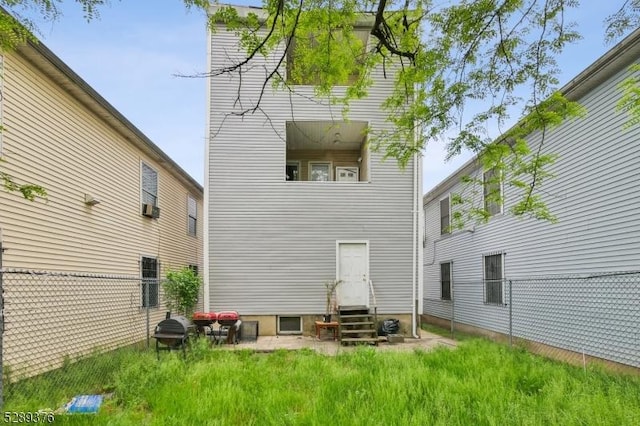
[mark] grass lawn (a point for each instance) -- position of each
(479, 383)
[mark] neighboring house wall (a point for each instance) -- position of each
(51, 138)
(594, 196)
(272, 243)
(60, 134)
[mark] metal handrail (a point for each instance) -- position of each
(375, 305)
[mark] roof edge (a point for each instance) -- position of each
(56, 62)
(612, 61)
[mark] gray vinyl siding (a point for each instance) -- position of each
(272, 243)
(595, 196)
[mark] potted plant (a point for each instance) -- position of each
(330, 287)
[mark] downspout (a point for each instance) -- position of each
(205, 200)
(414, 331)
(421, 238)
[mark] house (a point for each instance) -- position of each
(296, 198)
(568, 285)
(117, 207)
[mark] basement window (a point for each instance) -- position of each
(290, 325)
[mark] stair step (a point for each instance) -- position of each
(356, 316)
(352, 308)
(360, 339)
(358, 331)
(344, 324)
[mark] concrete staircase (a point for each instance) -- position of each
(356, 325)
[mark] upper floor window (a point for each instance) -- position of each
(492, 190)
(320, 171)
(194, 269)
(445, 216)
(149, 185)
(305, 64)
(192, 212)
(493, 275)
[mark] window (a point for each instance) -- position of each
(149, 185)
(289, 325)
(192, 212)
(194, 268)
(319, 172)
(293, 170)
(445, 220)
(493, 279)
(303, 69)
(492, 192)
(445, 281)
(149, 266)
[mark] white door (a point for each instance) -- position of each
(353, 269)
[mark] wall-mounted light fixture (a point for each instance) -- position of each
(90, 200)
(336, 138)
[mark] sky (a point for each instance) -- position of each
(133, 51)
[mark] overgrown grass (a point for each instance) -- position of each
(94, 374)
(479, 383)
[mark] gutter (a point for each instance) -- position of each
(139, 139)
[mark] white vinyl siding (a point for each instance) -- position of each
(594, 195)
(271, 242)
(73, 151)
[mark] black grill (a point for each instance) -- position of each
(173, 333)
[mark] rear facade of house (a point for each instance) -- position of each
(119, 213)
(296, 198)
(569, 285)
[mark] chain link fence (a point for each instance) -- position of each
(52, 320)
(571, 317)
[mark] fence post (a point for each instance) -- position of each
(510, 313)
(146, 285)
(1, 328)
(453, 310)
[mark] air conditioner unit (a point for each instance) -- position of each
(150, 210)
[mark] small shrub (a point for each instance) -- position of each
(181, 290)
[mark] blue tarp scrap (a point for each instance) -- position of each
(84, 404)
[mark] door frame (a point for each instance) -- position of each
(367, 254)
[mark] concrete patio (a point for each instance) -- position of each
(427, 341)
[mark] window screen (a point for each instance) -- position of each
(192, 211)
(149, 266)
(149, 185)
(493, 279)
(445, 281)
(445, 222)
